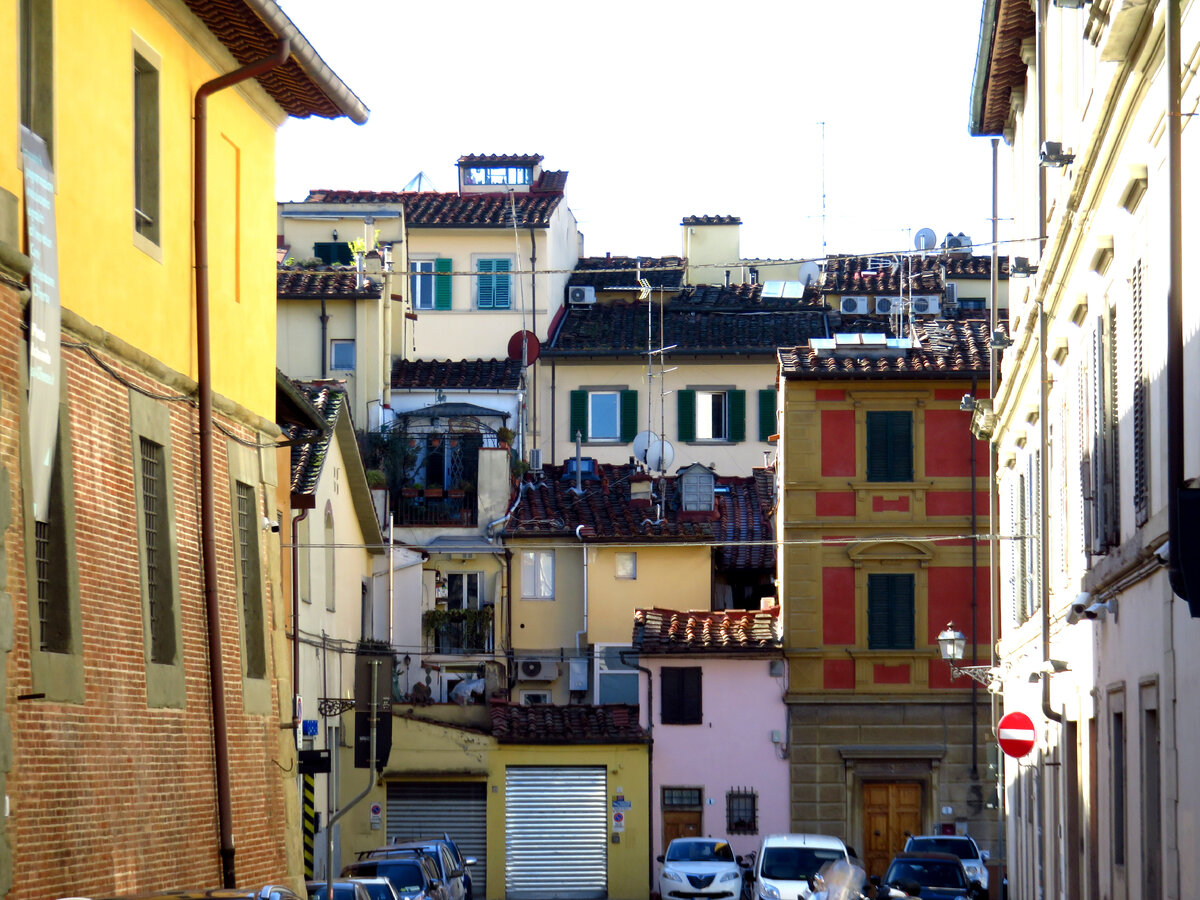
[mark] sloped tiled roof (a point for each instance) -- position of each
(304, 284)
(308, 458)
(614, 723)
(500, 159)
(459, 374)
(866, 275)
(550, 507)
(948, 348)
(621, 328)
(705, 631)
(436, 209)
(744, 298)
(597, 271)
(711, 220)
(1005, 70)
(966, 265)
(249, 39)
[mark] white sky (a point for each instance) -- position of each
(663, 109)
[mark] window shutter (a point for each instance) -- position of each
(579, 415)
(629, 416)
(687, 415)
(1022, 585)
(737, 416)
(693, 703)
(900, 440)
(1141, 390)
(877, 446)
(903, 613)
(890, 612)
(485, 286)
(669, 709)
(766, 414)
(502, 284)
(889, 446)
(442, 284)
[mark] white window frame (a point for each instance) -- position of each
(417, 297)
(536, 698)
(601, 672)
(541, 590)
(334, 344)
(704, 415)
(476, 259)
(593, 434)
(480, 599)
(625, 565)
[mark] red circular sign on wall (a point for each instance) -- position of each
(1017, 734)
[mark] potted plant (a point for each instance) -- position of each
(433, 493)
(505, 436)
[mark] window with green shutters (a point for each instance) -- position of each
(890, 612)
(428, 289)
(766, 414)
(442, 292)
(706, 415)
(494, 283)
(889, 446)
(599, 415)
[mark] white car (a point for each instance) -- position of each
(699, 868)
(787, 864)
(963, 846)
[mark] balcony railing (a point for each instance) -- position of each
(449, 508)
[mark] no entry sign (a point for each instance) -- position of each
(1016, 733)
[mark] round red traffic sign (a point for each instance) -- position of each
(1016, 733)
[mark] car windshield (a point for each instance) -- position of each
(699, 851)
(960, 848)
(931, 873)
(796, 863)
(379, 890)
(341, 891)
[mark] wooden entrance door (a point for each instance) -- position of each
(891, 812)
(680, 823)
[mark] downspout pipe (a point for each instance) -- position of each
(974, 595)
(1049, 712)
(208, 536)
(303, 502)
(584, 631)
(649, 756)
(1175, 399)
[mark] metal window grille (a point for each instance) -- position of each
(256, 663)
(42, 556)
(158, 585)
(682, 797)
(1141, 480)
(741, 811)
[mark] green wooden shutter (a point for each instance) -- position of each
(890, 612)
(629, 416)
(687, 415)
(889, 446)
(737, 416)
(442, 284)
(485, 283)
(900, 440)
(502, 284)
(766, 414)
(579, 415)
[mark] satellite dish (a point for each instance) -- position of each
(809, 273)
(925, 239)
(660, 456)
(532, 346)
(641, 444)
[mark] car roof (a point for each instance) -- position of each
(699, 840)
(262, 891)
(931, 855)
(803, 840)
(941, 837)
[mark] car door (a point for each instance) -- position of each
(455, 877)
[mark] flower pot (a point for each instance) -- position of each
(433, 493)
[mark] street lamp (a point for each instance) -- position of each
(952, 644)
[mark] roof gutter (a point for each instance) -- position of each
(310, 61)
(208, 527)
(983, 58)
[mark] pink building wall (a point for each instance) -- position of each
(742, 704)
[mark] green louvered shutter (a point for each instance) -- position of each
(441, 284)
(890, 612)
(737, 416)
(889, 446)
(629, 416)
(485, 283)
(687, 415)
(766, 414)
(502, 284)
(579, 415)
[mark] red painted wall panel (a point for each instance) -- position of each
(830, 396)
(940, 677)
(837, 604)
(839, 674)
(835, 503)
(949, 442)
(901, 674)
(955, 503)
(950, 600)
(837, 443)
(881, 504)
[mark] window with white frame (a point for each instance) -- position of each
(712, 415)
(626, 565)
(537, 575)
(341, 355)
(420, 283)
(616, 678)
(604, 416)
(499, 175)
(535, 698)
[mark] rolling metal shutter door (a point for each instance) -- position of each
(556, 825)
(431, 809)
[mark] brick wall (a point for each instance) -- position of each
(110, 795)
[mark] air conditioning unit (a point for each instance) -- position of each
(579, 674)
(885, 306)
(926, 306)
(959, 242)
(854, 306)
(537, 670)
(951, 294)
(535, 459)
(581, 295)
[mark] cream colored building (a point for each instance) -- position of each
(1105, 805)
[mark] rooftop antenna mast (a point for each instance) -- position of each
(824, 252)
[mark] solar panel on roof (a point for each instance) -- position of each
(773, 288)
(793, 290)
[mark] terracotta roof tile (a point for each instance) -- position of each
(329, 399)
(461, 374)
(500, 159)
(948, 348)
(302, 284)
(711, 220)
(660, 272)
(615, 723)
(705, 320)
(436, 209)
(1006, 70)
(607, 511)
(883, 275)
(250, 39)
(703, 631)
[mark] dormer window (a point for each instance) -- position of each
(499, 175)
(696, 488)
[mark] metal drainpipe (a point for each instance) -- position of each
(1175, 399)
(296, 604)
(324, 341)
(1044, 511)
(974, 598)
(508, 558)
(533, 324)
(584, 547)
(649, 759)
(208, 537)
